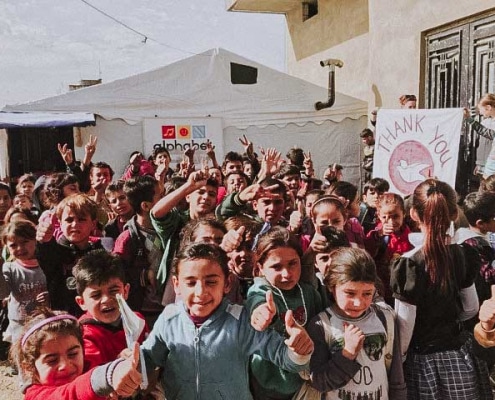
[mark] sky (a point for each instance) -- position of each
(45, 45)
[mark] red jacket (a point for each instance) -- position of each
(384, 250)
(103, 342)
(79, 389)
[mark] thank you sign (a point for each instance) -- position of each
(413, 145)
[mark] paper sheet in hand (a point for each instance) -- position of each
(133, 327)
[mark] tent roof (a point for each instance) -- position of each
(200, 86)
(44, 119)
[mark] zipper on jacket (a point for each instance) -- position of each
(196, 361)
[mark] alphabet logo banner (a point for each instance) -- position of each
(413, 145)
(178, 135)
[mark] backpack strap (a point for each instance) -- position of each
(387, 316)
(325, 321)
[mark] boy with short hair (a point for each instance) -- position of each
(367, 209)
(22, 201)
(100, 176)
(267, 199)
(235, 182)
(232, 162)
(200, 191)
(291, 176)
(77, 216)
(322, 259)
(99, 278)
(242, 260)
(120, 206)
(139, 247)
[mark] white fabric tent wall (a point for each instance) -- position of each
(328, 143)
(116, 141)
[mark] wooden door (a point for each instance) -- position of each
(460, 68)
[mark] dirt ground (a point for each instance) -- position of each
(8, 383)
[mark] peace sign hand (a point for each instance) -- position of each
(66, 153)
(248, 145)
(210, 149)
(90, 147)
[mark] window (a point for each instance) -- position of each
(309, 9)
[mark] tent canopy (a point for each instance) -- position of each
(44, 119)
(201, 86)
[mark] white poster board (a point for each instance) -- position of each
(180, 134)
(413, 145)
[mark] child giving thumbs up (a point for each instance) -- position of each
(262, 316)
(298, 341)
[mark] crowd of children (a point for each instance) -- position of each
(253, 279)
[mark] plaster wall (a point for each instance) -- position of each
(379, 42)
(339, 30)
(395, 36)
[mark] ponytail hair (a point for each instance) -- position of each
(436, 206)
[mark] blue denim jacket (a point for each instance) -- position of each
(211, 362)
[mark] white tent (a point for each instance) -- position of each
(273, 109)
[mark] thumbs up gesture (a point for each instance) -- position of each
(232, 239)
(45, 229)
(296, 218)
(125, 378)
(487, 312)
(299, 341)
(262, 316)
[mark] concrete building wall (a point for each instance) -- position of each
(379, 42)
(396, 29)
(339, 30)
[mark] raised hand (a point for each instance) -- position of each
(198, 178)
(303, 190)
(126, 378)
(248, 145)
(256, 191)
(319, 242)
(387, 228)
(296, 217)
(161, 172)
(308, 162)
(299, 341)
(272, 161)
(89, 149)
(66, 153)
(262, 316)
(189, 153)
(233, 239)
(45, 230)
(353, 341)
(210, 150)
